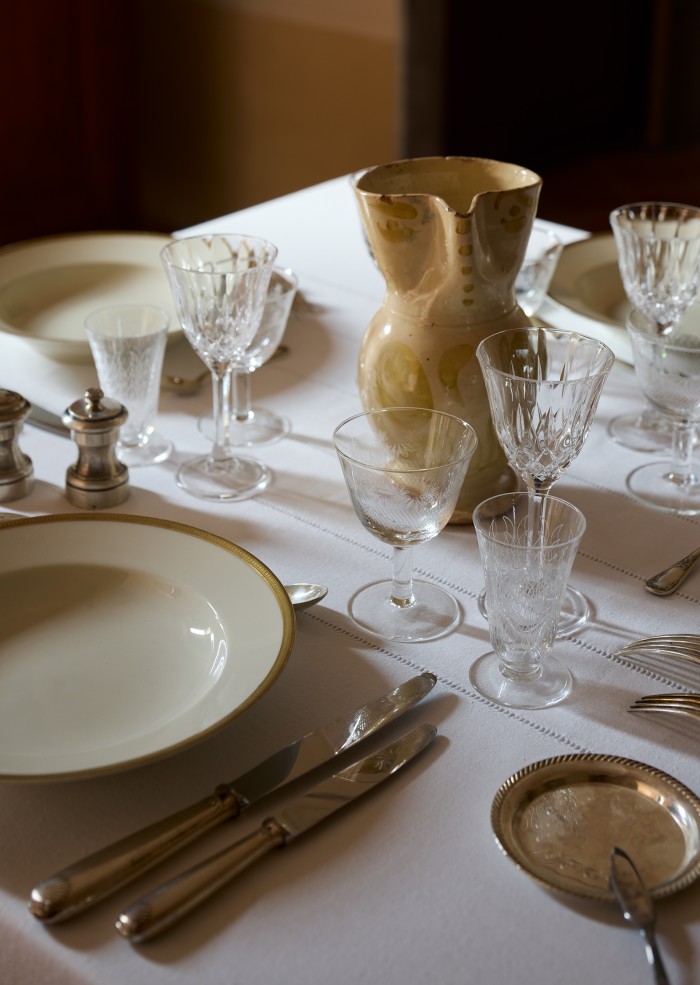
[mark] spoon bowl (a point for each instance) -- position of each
(305, 594)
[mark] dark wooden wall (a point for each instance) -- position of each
(65, 126)
(602, 99)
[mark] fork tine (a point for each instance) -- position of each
(683, 647)
(690, 711)
(676, 703)
(670, 699)
(692, 639)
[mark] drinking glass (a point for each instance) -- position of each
(250, 425)
(668, 369)
(127, 344)
(535, 275)
(543, 387)
(527, 545)
(404, 467)
(219, 285)
(658, 249)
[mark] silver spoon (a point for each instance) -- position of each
(637, 907)
(305, 594)
(668, 580)
(187, 385)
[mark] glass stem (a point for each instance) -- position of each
(682, 454)
(241, 409)
(221, 387)
(402, 581)
(536, 488)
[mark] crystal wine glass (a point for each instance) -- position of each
(219, 285)
(404, 467)
(543, 387)
(249, 425)
(658, 249)
(668, 369)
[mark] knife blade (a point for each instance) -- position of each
(152, 913)
(89, 880)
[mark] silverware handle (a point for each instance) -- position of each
(77, 887)
(654, 959)
(666, 582)
(151, 914)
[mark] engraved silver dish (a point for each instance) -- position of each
(560, 818)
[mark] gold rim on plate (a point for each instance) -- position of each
(125, 639)
(559, 819)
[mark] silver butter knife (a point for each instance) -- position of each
(77, 887)
(152, 913)
(637, 907)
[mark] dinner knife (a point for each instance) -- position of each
(168, 903)
(77, 887)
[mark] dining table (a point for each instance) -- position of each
(409, 884)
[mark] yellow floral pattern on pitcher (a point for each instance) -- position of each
(449, 235)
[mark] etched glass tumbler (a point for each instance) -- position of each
(668, 370)
(527, 545)
(543, 387)
(219, 285)
(127, 344)
(404, 467)
(658, 250)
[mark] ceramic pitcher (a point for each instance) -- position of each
(449, 236)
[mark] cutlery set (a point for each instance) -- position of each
(74, 889)
(680, 646)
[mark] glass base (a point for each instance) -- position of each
(154, 448)
(575, 612)
(228, 481)
(658, 485)
(261, 427)
(645, 431)
(433, 613)
(549, 687)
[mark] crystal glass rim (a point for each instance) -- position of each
(653, 336)
(288, 275)
(684, 210)
(603, 350)
(473, 440)
(241, 237)
(130, 308)
(546, 501)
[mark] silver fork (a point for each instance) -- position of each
(687, 704)
(683, 645)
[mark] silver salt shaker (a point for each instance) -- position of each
(98, 479)
(16, 469)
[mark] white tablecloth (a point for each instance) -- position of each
(409, 885)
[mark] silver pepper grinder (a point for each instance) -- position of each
(98, 479)
(16, 469)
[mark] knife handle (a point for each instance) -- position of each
(77, 887)
(151, 914)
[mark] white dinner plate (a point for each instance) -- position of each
(587, 280)
(48, 286)
(123, 639)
